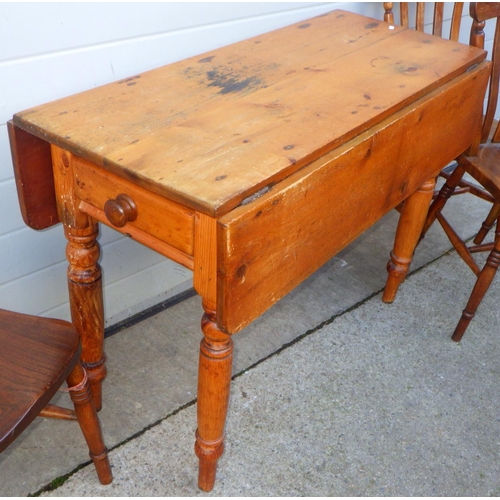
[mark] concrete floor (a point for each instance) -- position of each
(335, 392)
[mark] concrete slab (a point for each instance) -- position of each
(153, 364)
(380, 402)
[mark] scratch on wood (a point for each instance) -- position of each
(256, 195)
(127, 80)
(315, 70)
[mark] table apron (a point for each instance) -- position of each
(160, 224)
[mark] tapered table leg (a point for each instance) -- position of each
(214, 379)
(408, 232)
(86, 302)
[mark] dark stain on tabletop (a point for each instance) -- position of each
(206, 59)
(230, 82)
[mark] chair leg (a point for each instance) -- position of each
(487, 224)
(480, 288)
(81, 396)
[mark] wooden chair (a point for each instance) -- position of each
(482, 162)
(36, 356)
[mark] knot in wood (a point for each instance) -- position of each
(65, 160)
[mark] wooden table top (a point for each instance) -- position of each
(214, 129)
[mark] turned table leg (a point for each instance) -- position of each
(410, 226)
(214, 379)
(84, 272)
(86, 302)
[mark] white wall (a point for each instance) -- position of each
(50, 50)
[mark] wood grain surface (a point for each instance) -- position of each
(212, 130)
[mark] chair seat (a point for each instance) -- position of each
(36, 357)
(485, 168)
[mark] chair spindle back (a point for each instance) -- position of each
(438, 17)
(480, 13)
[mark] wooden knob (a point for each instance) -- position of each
(121, 210)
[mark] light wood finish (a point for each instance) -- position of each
(437, 29)
(84, 271)
(304, 234)
(214, 379)
(402, 253)
(256, 163)
(205, 271)
(155, 216)
(37, 355)
(227, 127)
